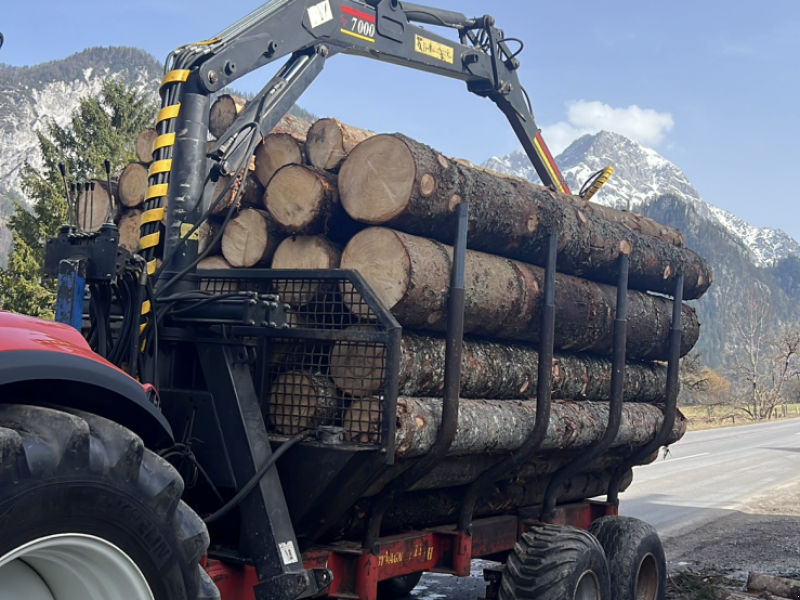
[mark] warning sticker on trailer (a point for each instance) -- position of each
(287, 552)
(319, 14)
(433, 49)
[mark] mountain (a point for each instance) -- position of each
(743, 257)
(34, 96)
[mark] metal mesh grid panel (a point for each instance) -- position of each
(330, 365)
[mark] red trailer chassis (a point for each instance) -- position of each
(357, 571)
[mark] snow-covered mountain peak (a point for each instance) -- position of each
(640, 176)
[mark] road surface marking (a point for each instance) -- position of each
(685, 457)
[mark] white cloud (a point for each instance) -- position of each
(643, 125)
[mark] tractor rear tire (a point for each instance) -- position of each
(398, 587)
(635, 558)
(556, 562)
(86, 511)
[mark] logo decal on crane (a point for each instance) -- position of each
(319, 14)
(358, 24)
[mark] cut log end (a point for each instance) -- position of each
(382, 259)
(377, 179)
(275, 151)
(304, 252)
(330, 141)
(300, 401)
(358, 368)
(129, 230)
(133, 185)
(296, 197)
(144, 145)
(362, 422)
(223, 113)
(94, 207)
(246, 239)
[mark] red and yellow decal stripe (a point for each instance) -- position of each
(555, 174)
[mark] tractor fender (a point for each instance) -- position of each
(80, 381)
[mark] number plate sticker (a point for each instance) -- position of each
(433, 49)
(287, 552)
(358, 24)
(319, 14)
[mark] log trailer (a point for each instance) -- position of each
(113, 443)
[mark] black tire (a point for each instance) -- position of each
(635, 557)
(398, 587)
(556, 562)
(69, 472)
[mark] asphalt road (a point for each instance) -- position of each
(706, 475)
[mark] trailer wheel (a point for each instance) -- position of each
(556, 562)
(86, 511)
(635, 558)
(398, 587)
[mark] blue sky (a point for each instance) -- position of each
(714, 86)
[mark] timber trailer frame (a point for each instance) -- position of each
(210, 343)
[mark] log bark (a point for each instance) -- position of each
(303, 200)
(94, 208)
(294, 126)
(490, 370)
(133, 185)
(304, 252)
(393, 180)
(330, 141)
(251, 194)
(209, 231)
(629, 220)
(144, 145)
(223, 113)
(410, 275)
(130, 224)
(275, 151)
(301, 400)
(780, 586)
(502, 426)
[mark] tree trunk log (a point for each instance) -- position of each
(212, 263)
(294, 126)
(490, 370)
(130, 224)
(275, 151)
(780, 586)
(250, 238)
(304, 252)
(439, 507)
(330, 141)
(251, 194)
(301, 400)
(223, 113)
(629, 220)
(304, 201)
(410, 275)
(144, 145)
(208, 231)
(393, 180)
(502, 426)
(94, 208)
(133, 185)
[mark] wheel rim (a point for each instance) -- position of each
(647, 579)
(588, 587)
(71, 566)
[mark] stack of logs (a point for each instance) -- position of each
(333, 196)
(327, 196)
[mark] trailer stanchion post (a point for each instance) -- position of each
(544, 386)
(671, 404)
(452, 387)
(615, 403)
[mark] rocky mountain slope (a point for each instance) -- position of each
(743, 257)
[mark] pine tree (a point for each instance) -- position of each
(102, 127)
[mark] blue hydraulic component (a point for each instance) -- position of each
(71, 288)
